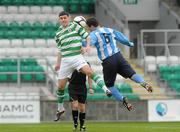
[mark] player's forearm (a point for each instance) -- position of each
(123, 39)
(88, 41)
(59, 58)
(58, 62)
(90, 83)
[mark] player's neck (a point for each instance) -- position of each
(96, 27)
(93, 28)
(65, 26)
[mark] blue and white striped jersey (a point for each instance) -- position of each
(104, 39)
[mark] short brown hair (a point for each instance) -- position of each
(62, 13)
(92, 22)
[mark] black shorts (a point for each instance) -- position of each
(116, 64)
(77, 93)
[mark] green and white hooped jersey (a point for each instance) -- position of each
(69, 39)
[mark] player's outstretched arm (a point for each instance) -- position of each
(123, 39)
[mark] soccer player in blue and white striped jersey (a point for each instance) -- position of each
(113, 62)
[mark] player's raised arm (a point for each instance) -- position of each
(122, 38)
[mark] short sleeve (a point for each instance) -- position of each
(81, 31)
(94, 39)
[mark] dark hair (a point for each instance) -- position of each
(92, 22)
(62, 13)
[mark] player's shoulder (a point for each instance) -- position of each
(59, 29)
(107, 29)
(76, 25)
(93, 33)
(72, 23)
(97, 31)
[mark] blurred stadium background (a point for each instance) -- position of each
(28, 54)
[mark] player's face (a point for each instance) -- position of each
(64, 20)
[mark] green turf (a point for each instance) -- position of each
(94, 127)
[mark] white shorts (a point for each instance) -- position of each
(69, 64)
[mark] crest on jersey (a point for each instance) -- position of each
(69, 30)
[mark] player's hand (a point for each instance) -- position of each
(131, 44)
(57, 67)
(83, 50)
(91, 91)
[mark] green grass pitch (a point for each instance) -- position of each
(94, 127)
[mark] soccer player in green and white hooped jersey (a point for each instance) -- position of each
(69, 43)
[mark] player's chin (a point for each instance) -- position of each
(65, 24)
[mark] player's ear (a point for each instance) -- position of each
(91, 27)
(70, 17)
